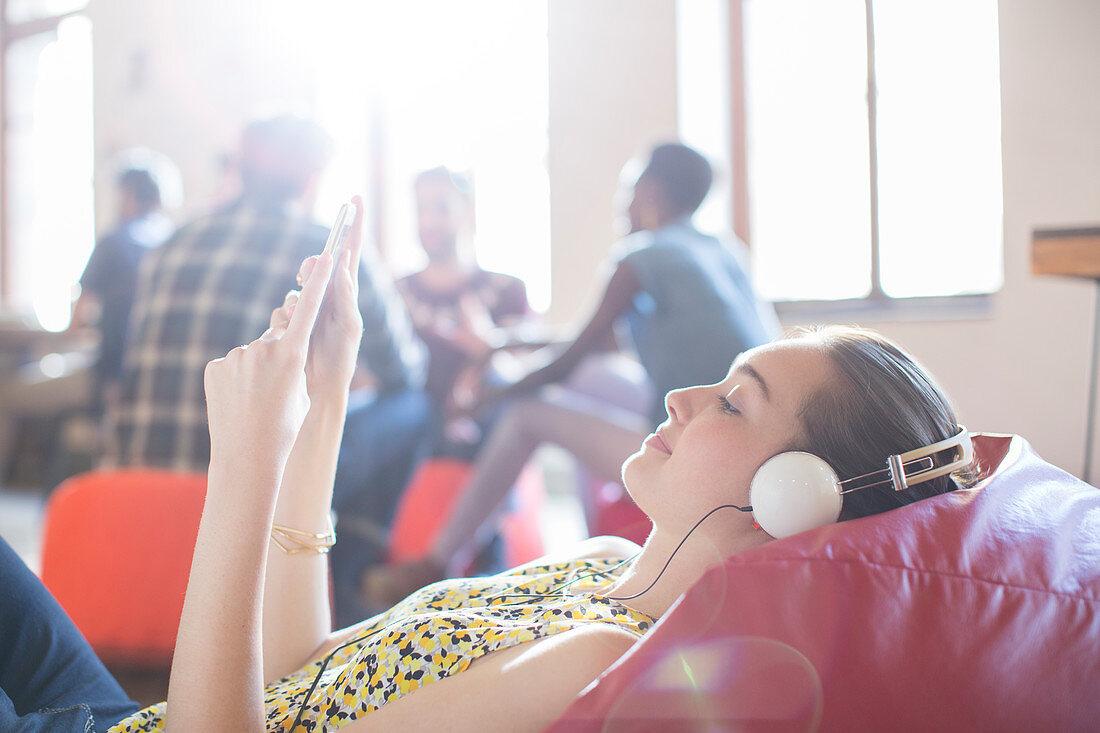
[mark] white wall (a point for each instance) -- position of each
(162, 80)
(612, 95)
(182, 77)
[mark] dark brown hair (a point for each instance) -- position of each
(683, 175)
(880, 402)
(142, 186)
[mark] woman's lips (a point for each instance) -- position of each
(657, 441)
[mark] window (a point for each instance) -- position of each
(433, 82)
(48, 226)
(873, 146)
(702, 90)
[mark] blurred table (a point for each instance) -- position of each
(43, 374)
(22, 341)
(1074, 252)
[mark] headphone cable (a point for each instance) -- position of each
(669, 561)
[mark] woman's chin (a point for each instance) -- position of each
(634, 474)
(630, 467)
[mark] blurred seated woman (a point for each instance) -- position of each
(255, 649)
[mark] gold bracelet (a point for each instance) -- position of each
(298, 541)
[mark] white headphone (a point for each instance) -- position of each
(796, 491)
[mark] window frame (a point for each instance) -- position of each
(11, 33)
(877, 305)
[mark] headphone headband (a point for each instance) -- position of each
(900, 467)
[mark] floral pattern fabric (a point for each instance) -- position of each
(435, 633)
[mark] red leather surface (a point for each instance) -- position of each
(976, 610)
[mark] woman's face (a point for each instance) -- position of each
(716, 436)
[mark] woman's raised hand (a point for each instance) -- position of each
(339, 329)
(256, 394)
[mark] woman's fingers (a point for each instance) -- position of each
(280, 317)
(306, 267)
(309, 302)
(345, 280)
(273, 334)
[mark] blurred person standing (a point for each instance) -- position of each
(147, 182)
(214, 285)
(456, 306)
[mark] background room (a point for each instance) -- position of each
(912, 215)
(403, 87)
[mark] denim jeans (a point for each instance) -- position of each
(50, 679)
(383, 441)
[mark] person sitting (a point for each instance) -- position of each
(456, 306)
(146, 183)
(690, 307)
(256, 650)
(213, 285)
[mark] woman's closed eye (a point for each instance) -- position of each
(726, 406)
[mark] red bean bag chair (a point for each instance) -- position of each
(615, 513)
(974, 610)
(429, 498)
(117, 554)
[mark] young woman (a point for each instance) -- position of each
(517, 647)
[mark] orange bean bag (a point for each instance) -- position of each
(117, 554)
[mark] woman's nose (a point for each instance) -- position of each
(678, 405)
(683, 403)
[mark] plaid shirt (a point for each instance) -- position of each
(210, 288)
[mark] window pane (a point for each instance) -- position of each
(939, 149)
(50, 166)
(702, 91)
(806, 86)
(438, 94)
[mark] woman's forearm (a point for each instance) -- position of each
(557, 368)
(216, 681)
(297, 618)
(258, 399)
(621, 289)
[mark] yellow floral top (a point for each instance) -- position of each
(434, 633)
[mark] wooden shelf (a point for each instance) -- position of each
(1070, 252)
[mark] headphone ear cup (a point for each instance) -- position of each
(793, 492)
